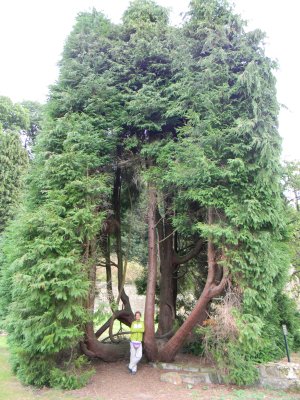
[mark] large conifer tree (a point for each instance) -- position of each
(190, 112)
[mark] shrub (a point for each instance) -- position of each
(72, 376)
(229, 338)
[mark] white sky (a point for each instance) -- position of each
(33, 32)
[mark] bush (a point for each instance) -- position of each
(72, 376)
(40, 370)
(31, 370)
(230, 338)
(195, 346)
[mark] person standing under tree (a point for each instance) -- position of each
(136, 349)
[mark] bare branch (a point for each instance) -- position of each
(187, 257)
(159, 220)
(111, 262)
(167, 237)
(116, 334)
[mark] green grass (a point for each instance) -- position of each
(243, 394)
(256, 394)
(12, 389)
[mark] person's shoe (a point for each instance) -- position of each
(133, 372)
(130, 370)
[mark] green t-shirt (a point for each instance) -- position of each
(137, 329)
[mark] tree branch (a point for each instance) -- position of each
(166, 335)
(167, 237)
(86, 351)
(187, 257)
(123, 316)
(111, 262)
(116, 334)
(220, 287)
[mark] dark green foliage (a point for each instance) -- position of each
(288, 315)
(195, 346)
(227, 157)
(240, 371)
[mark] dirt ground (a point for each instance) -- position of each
(113, 382)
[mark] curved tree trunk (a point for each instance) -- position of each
(91, 346)
(175, 343)
(106, 351)
(169, 264)
(122, 315)
(211, 289)
(198, 314)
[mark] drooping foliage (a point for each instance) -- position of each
(184, 120)
(47, 252)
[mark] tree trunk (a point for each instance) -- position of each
(197, 316)
(91, 346)
(106, 351)
(172, 347)
(117, 212)
(125, 316)
(169, 264)
(149, 336)
(110, 295)
(168, 282)
(91, 262)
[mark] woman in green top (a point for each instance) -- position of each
(136, 349)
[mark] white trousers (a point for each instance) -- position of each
(135, 356)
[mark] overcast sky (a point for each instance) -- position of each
(33, 32)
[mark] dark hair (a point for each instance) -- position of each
(138, 312)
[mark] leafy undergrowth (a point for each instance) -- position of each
(11, 389)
